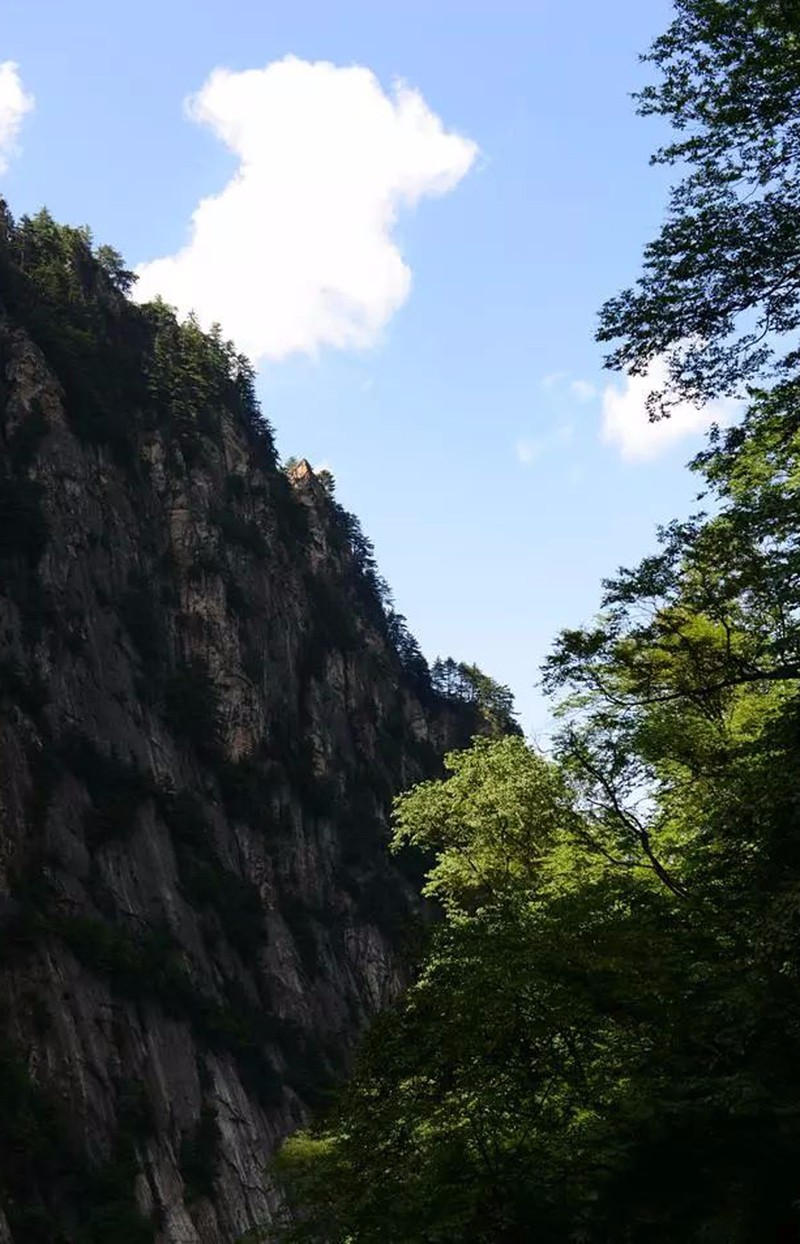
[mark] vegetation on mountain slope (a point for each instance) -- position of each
(602, 1042)
(207, 701)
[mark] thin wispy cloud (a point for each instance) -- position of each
(583, 390)
(15, 103)
(297, 251)
(553, 378)
(530, 449)
(580, 390)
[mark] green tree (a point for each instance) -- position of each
(601, 1043)
(467, 684)
(122, 366)
(113, 264)
(500, 1100)
(719, 297)
(431, 1135)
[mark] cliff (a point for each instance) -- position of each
(206, 705)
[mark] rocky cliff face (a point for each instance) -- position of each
(202, 722)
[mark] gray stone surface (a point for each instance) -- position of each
(291, 699)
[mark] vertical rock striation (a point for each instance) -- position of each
(203, 719)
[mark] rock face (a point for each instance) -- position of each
(202, 723)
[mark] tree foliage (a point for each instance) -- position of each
(447, 681)
(462, 683)
(124, 367)
(719, 295)
(601, 1043)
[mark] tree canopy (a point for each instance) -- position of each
(124, 367)
(719, 294)
(462, 683)
(601, 1042)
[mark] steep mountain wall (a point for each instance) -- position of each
(202, 722)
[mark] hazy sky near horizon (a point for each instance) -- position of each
(408, 213)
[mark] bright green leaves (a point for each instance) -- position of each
(504, 1092)
(489, 824)
(586, 1053)
(601, 1041)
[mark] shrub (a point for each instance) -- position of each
(183, 814)
(199, 1156)
(236, 599)
(139, 614)
(246, 790)
(151, 967)
(204, 881)
(27, 438)
(191, 708)
(35, 603)
(45, 1183)
(235, 488)
(241, 531)
(22, 687)
(333, 624)
(301, 921)
(291, 514)
(236, 901)
(116, 787)
(23, 527)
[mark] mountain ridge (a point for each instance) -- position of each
(207, 704)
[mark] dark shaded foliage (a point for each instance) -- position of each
(242, 532)
(199, 1155)
(116, 787)
(138, 610)
(123, 367)
(152, 966)
(191, 708)
(22, 687)
(23, 527)
(464, 684)
(205, 882)
(44, 1176)
(719, 294)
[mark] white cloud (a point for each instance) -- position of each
(582, 390)
(296, 252)
(15, 102)
(626, 425)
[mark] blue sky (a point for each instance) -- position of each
(462, 414)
